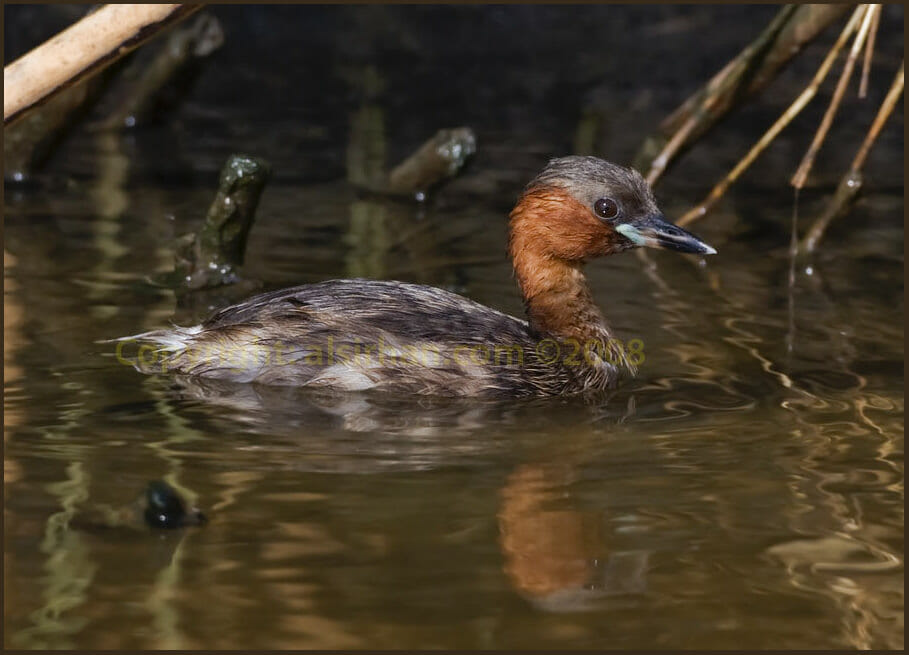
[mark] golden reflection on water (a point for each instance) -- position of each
(12, 341)
(68, 570)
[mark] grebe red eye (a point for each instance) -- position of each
(606, 208)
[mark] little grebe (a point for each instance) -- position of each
(407, 338)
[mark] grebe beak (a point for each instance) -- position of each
(656, 232)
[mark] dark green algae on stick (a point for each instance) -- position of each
(212, 256)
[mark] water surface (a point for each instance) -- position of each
(745, 490)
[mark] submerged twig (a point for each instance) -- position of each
(790, 287)
(797, 106)
(851, 183)
(750, 71)
(437, 160)
(801, 175)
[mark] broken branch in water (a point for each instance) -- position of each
(750, 71)
(211, 257)
(438, 159)
(81, 51)
(797, 106)
(851, 183)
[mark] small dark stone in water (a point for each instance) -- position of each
(165, 509)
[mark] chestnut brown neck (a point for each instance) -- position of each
(548, 245)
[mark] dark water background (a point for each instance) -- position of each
(746, 490)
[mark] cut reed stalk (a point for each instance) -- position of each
(851, 183)
(801, 174)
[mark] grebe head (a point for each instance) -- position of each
(582, 207)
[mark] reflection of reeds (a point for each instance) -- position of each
(161, 603)
(368, 236)
(868, 619)
(12, 341)
(111, 200)
(677, 312)
(162, 598)
(69, 569)
(379, 227)
(69, 563)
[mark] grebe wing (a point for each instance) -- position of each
(410, 310)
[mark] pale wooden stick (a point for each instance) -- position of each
(82, 50)
(801, 175)
(869, 51)
(851, 183)
(800, 102)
